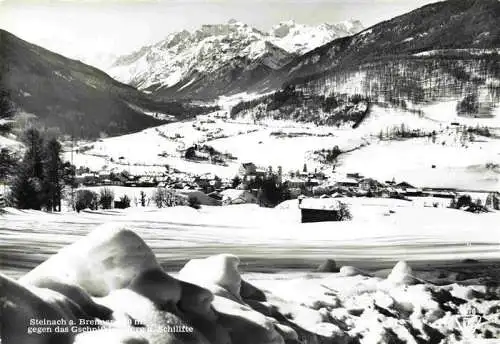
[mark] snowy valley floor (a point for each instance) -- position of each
(382, 232)
(441, 295)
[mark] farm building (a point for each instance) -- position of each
(87, 179)
(404, 186)
(347, 182)
(234, 196)
(319, 209)
(249, 171)
(296, 183)
(200, 197)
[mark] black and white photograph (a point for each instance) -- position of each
(249, 172)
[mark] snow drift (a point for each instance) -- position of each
(108, 287)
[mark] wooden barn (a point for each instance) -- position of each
(319, 209)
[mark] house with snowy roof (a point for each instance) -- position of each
(404, 186)
(249, 169)
(319, 209)
(235, 196)
(347, 182)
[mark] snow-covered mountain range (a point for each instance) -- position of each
(222, 54)
(298, 38)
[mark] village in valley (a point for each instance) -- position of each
(217, 160)
(431, 156)
(248, 187)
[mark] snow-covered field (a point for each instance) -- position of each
(413, 161)
(383, 230)
(457, 162)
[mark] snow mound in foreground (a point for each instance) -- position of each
(106, 259)
(215, 272)
(402, 273)
(109, 288)
(112, 280)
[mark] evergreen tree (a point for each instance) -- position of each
(463, 201)
(7, 159)
(53, 175)
(27, 186)
(7, 111)
(33, 158)
(190, 153)
(69, 173)
(468, 105)
(235, 182)
(7, 163)
(403, 132)
(271, 193)
(496, 202)
(39, 179)
(25, 191)
(493, 201)
(143, 198)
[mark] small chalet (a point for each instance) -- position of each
(414, 192)
(319, 209)
(104, 175)
(296, 183)
(404, 186)
(87, 179)
(146, 181)
(249, 171)
(347, 182)
(441, 193)
(235, 196)
(444, 194)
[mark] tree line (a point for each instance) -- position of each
(37, 179)
(416, 79)
(302, 105)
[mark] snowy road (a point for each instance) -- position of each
(265, 239)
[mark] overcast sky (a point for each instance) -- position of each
(90, 28)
